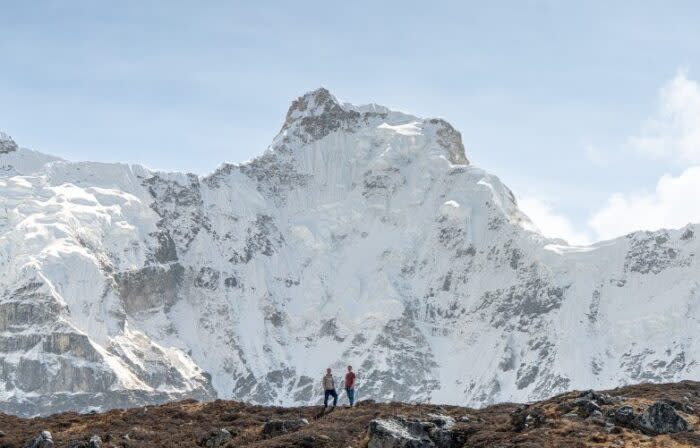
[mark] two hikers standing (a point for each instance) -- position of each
(329, 387)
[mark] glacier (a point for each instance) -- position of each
(361, 236)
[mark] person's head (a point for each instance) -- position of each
(349, 368)
(328, 371)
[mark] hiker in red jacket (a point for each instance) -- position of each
(350, 385)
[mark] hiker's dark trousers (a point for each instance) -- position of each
(351, 395)
(330, 393)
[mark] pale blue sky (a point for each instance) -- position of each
(546, 94)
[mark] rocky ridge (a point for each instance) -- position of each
(636, 416)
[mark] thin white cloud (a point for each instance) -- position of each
(673, 204)
(674, 133)
(550, 223)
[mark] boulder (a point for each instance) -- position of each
(398, 433)
(276, 427)
(526, 417)
(217, 438)
(95, 442)
(623, 416)
(599, 397)
(596, 414)
(43, 440)
(661, 418)
(440, 420)
(678, 406)
(587, 407)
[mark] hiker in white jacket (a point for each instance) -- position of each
(329, 389)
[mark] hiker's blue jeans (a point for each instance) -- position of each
(330, 393)
(351, 395)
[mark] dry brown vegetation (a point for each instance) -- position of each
(188, 424)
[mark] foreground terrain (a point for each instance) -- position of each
(636, 416)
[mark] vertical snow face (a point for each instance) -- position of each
(362, 236)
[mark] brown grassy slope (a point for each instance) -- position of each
(187, 424)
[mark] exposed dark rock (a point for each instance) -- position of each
(382, 182)
(450, 139)
(441, 421)
(94, 442)
(150, 287)
(231, 282)
(526, 375)
(415, 378)
(650, 252)
(276, 427)
(43, 440)
(275, 175)
(180, 207)
(166, 251)
(624, 416)
(599, 397)
(399, 432)
(263, 238)
(661, 418)
(586, 407)
(217, 438)
(326, 117)
(527, 417)
(678, 406)
(207, 278)
(7, 145)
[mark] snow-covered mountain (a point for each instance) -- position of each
(361, 236)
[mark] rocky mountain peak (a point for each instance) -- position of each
(7, 145)
(316, 114)
(314, 103)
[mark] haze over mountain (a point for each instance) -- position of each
(362, 236)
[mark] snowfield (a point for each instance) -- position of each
(362, 236)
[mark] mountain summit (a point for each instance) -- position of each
(362, 236)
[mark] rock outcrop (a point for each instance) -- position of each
(217, 438)
(226, 424)
(661, 418)
(43, 440)
(276, 427)
(400, 432)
